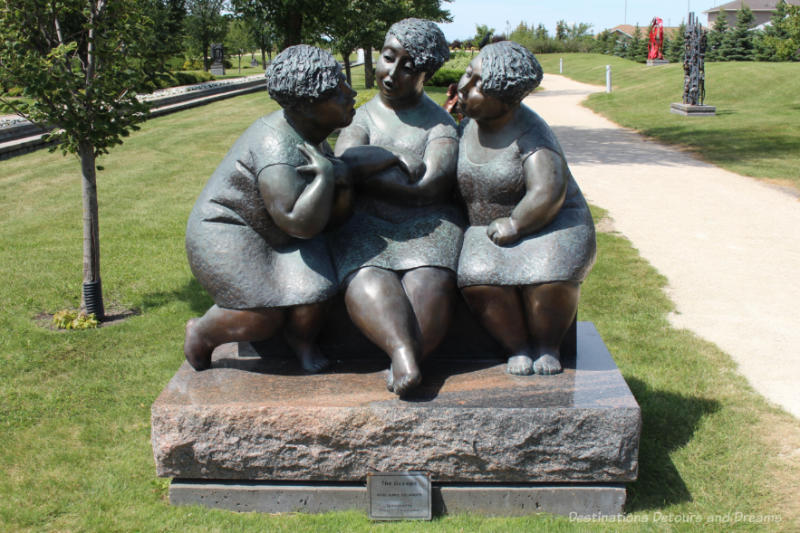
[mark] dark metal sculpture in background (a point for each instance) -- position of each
(694, 90)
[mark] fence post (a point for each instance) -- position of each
(561, 65)
(608, 78)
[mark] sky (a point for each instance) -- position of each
(601, 14)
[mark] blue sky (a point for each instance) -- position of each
(601, 14)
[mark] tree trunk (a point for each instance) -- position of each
(369, 73)
(263, 59)
(346, 58)
(92, 297)
(294, 29)
(205, 58)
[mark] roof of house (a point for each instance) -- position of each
(629, 29)
(754, 5)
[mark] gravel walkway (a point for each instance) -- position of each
(727, 244)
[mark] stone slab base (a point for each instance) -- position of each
(656, 62)
(254, 417)
(693, 110)
(497, 500)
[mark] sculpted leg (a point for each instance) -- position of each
(379, 307)
(501, 313)
(550, 308)
(303, 324)
(431, 291)
(220, 325)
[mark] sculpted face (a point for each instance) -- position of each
(398, 81)
(471, 97)
(336, 111)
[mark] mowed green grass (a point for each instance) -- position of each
(75, 449)
(757, 128)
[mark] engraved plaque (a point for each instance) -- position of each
(399, 496)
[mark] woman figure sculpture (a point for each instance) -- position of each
(396, 256)
(252, 237)
(531, 239)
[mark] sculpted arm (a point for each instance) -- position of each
(361, 158)
(546, 187)
(438, 171)
(298, 206)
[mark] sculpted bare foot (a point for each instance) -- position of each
(309, 355)
(196, 349)
(520, 364)
(404, 373)
(547, 364)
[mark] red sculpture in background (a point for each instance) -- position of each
(656, 39)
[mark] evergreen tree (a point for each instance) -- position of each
(769, 41)
(637, 47)
(738, 44)
(674, 47)
(716, 38)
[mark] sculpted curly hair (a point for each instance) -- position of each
(302, 74)
(424, 42)
(509, 71)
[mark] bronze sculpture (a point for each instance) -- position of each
(252, 239)
(531, 239)
(396, 256)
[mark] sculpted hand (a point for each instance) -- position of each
(412, 165)
(341, 172)
(503, 231)
(318, 164)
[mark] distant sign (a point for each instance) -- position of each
(399, 496)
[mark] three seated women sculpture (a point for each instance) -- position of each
(255, 237)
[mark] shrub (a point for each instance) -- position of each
(69, 319)
(192, 64)
(445, 76)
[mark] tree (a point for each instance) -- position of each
(206, 24)
(674, 47)
(166, 38)
(739, 41)
(716, 38)
(262, 29)
(561, 30)
(238, 40)
(776, 43)
(77, 62)
(637, 47)
(483, 34)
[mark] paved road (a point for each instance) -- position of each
(729, 245)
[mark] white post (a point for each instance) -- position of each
(561, 65)
(608, 78)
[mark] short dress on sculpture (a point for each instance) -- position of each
(564, 250)
(235, 249)
(392, 236)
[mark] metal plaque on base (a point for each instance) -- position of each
(399, 496)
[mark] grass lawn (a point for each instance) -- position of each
(757, 128)
(75, 406)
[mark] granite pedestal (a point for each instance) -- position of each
(254, 433)
(692, 110)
